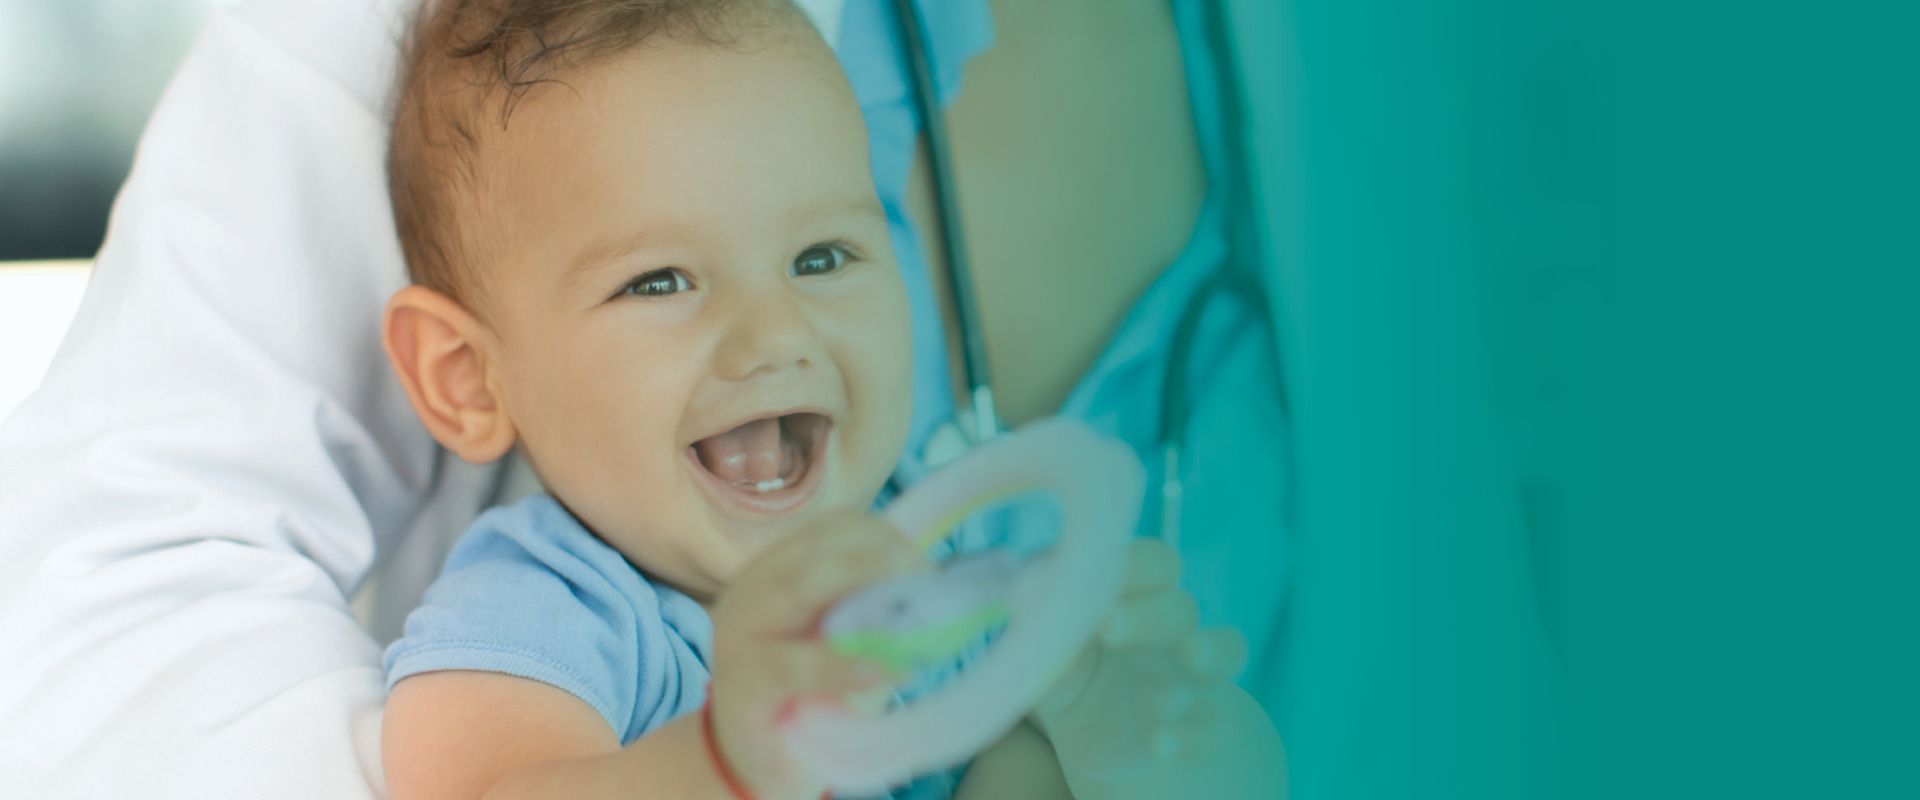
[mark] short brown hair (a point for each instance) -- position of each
(502, 49)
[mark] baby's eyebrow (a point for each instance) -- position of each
(609, 249)
(867, 206)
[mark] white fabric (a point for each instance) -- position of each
(219, 449)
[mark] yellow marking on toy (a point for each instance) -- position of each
(945, 525)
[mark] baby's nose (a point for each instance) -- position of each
(768, 336)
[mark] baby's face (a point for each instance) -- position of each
(700, 330)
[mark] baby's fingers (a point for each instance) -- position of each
(1163, 618)
(786, 588)
(1151, 565)
(1186, 716)
(813, 670)
(1214, 654)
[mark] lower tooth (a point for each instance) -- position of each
(768, 486)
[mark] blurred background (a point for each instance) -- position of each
(77, 81)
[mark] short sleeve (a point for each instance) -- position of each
(529, 592)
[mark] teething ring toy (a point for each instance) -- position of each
(1053, 609)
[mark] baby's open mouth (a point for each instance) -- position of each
(765, 464)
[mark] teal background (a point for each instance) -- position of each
(1601, 325)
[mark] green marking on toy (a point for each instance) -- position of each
(906, 650)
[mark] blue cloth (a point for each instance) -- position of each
(528, 591)
(1231, 528)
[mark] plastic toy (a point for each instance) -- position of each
(1051, 603)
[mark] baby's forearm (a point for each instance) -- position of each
(669, 761)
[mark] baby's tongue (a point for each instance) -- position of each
(750, 453)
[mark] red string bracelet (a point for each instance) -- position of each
(734, 786)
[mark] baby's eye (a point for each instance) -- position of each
(658, 283)
(821, 259)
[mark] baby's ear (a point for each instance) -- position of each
(441, 353)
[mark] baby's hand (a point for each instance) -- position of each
(1150, 709)
(766, 655)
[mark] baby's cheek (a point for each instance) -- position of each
(896, 383)
(883, 433)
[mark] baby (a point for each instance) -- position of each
(646, 249)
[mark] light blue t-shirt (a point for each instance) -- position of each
(528, 591)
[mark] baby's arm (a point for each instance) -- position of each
(464, 734)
